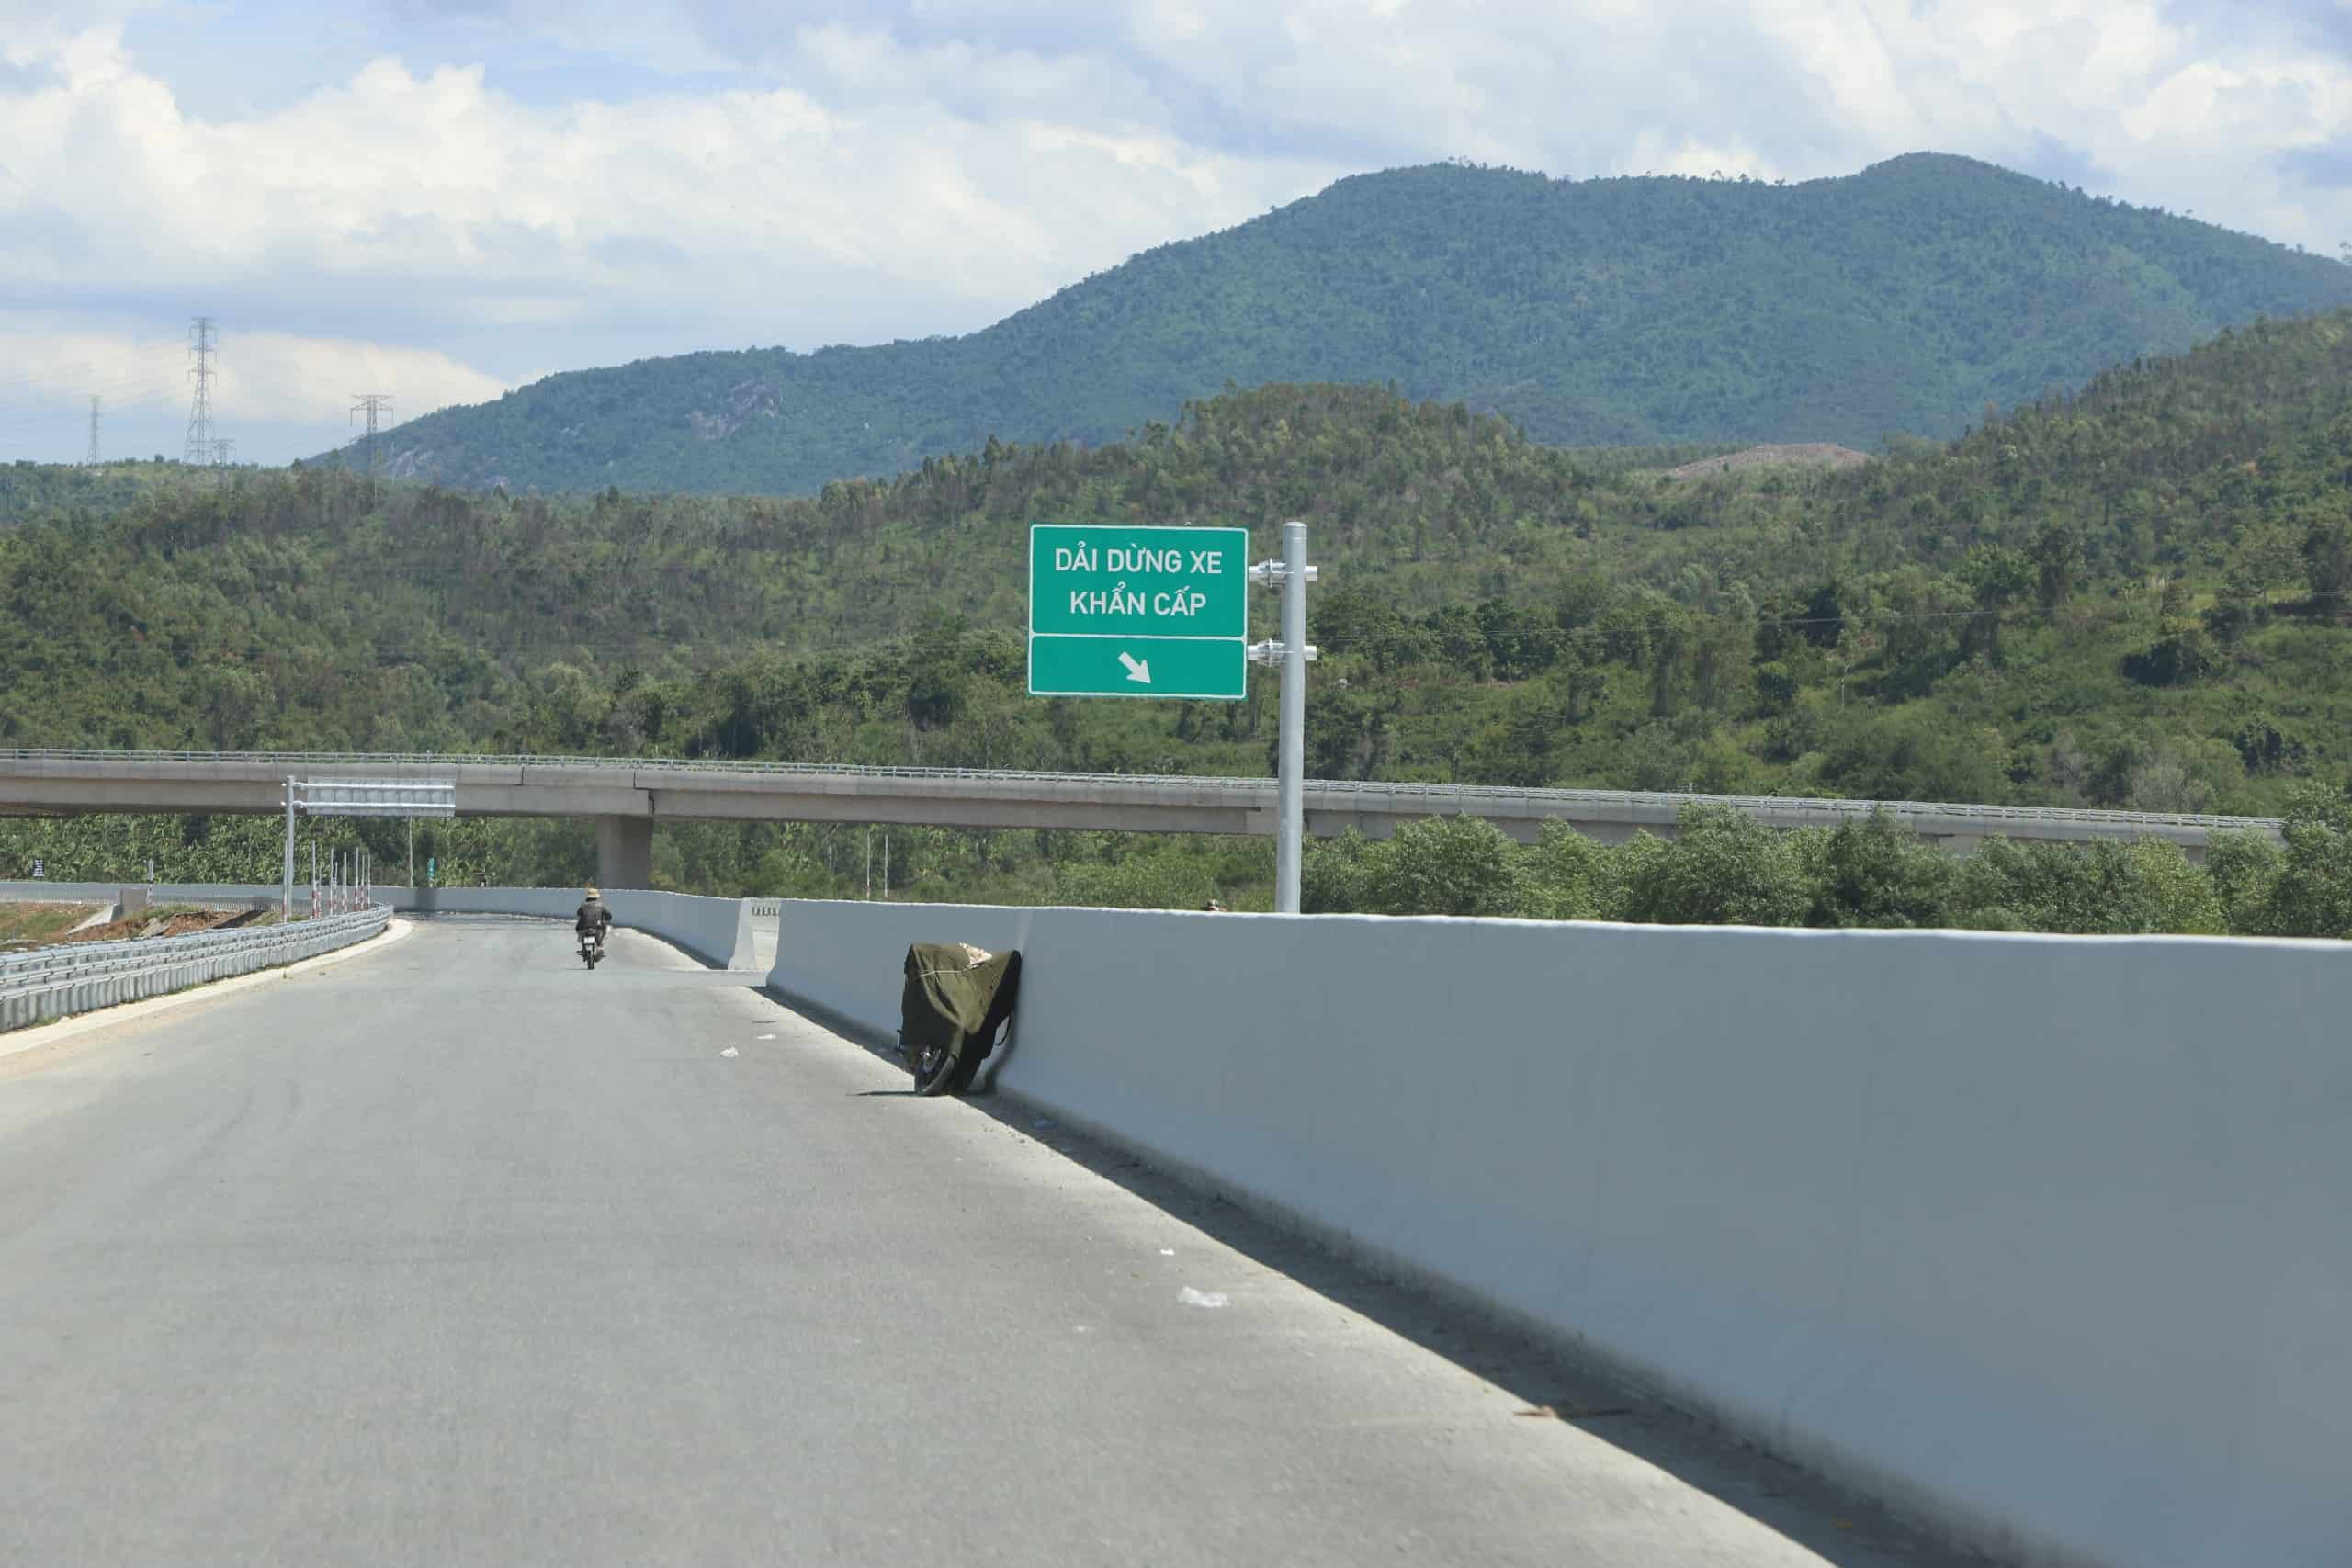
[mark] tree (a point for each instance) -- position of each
(2312, 893)
(2058, 561)
(2176, 660)
(1460, 865)
(1722, 867)
(1332, 875)
(1162, 881)
(2146, 886)
(1996, 577)
(1873, 872)
(1570, 877)
(2243, 866)
(2327, 563)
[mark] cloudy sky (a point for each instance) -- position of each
(444, 198)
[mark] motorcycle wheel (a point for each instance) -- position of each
(941, 1072)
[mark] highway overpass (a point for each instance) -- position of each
(627, 797)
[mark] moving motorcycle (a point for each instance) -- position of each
(592, 945)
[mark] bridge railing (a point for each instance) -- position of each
(1322, 793)
(69, 977)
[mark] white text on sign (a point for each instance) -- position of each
(1136, 560)
(1118, 601)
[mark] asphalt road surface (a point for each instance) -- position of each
(456, 1254)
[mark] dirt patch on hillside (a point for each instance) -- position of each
(166, 922)
(34, 923)
(1803, 455)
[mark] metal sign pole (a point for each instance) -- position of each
(1291, 651)
(286, 904)
(1292, 825)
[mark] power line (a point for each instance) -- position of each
(374, 405)
(141, 389)
(198, 449)
(56, 373)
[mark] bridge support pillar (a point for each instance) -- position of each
(624, 851)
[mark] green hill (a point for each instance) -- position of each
(2139, 595)
(2157, 562)
(1613, 311)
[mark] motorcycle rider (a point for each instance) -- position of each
(592, 915)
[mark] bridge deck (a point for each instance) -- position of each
(97, 781)
(457, 1254)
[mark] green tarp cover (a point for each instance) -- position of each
(951, 999)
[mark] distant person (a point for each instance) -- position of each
(1212, 908)
(592, 915)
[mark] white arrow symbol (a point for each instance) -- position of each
(1138, 668)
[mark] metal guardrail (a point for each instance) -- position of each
(1319, 791)
(70, 978)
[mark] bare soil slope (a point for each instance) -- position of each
(1805, 454)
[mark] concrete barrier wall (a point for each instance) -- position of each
(716, 931)
(254, 894)
(2042, 1238)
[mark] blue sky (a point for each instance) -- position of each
(444, 198)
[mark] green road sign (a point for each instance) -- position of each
(1137, 667)
(1120, 612)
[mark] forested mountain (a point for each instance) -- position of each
(2134, 595)
(1633, 310)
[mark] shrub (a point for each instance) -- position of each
(1165, 880)
(2104, 887)
(1723, 868)
(1460, 865)
(2181, 894)
(2175, 660)
(1570, 876)
(2242, 867)
(1332, 875)
(1871, 872)
(2311, 893)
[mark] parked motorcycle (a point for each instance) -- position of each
(956, 1006)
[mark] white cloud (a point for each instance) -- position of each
(272, 376)
(709, 173)
(693, 207)
(278, 394)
